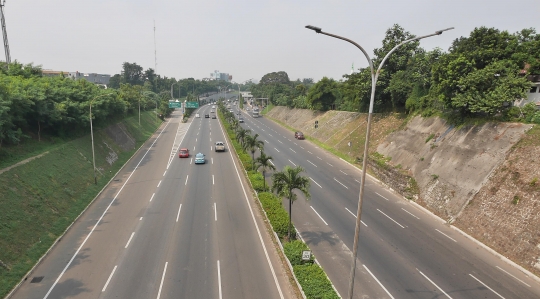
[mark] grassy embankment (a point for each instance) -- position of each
(40, 199)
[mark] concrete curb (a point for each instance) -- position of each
(25, 277)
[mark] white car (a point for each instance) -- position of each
(197, 115)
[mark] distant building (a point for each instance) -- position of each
(533, 96)
(216, 75)
(90, 77)
(51, 73)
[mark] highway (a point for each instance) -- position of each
(167, 228)
(404, 251)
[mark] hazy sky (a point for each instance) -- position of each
(246, 39)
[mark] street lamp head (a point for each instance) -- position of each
(316, 29)
(439, 32)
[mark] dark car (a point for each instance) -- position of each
(299, 135)
(207, 116)
(240, 120)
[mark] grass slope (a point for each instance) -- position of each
(40, 199)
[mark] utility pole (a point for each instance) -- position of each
(4, 33)
(155, 49)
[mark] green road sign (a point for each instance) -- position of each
(175, 104)
(192, 104)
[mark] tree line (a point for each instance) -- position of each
(33, 105)
(479, 76)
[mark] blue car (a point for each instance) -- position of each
(200, 158)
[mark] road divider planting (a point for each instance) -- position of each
(312, 280)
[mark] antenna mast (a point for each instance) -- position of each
(155, 49)
(4, 33)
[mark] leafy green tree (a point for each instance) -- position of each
(251, 144)
(241, 134)
(490, 89)
(132, 73)
(284, 182)
(263, 161)
(322, 96)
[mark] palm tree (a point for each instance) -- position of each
(264, 161)
(252, 144)
(284, 182)
(241, 134)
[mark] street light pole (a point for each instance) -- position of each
(92, 136)
(374, 77)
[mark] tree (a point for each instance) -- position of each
(284, 182)
(275, 77)
(264, 161)
(132, 73)
(251, 144)
(322, 95)
(241, 134)
(490, 89)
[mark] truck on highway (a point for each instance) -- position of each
(255, 112)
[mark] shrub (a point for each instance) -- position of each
(314, 282)
(293, 251)
(430, 137)
(257, 181)
(279, 219)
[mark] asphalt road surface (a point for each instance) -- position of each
(167, 228)
(404, 252)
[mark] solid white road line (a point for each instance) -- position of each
(410, 213)
(162, 278)
(312, 163)
(178, 215)
(446, 235)
(158, 184)
(219, 279)
(487, 286)
(512, 276)
(164, 172)
(434, 284)
(318, 215)
(292, 163)
(152, 196)
(328, 163)
(391, 218)
(378, 282)
(341, 183)
(276, 149)
(343, 172)
(315, 182)
(131, 237)
(292, 150)
(355, 216)
(215, 211)
(108, 280)
(187, 177)
(381, 195)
